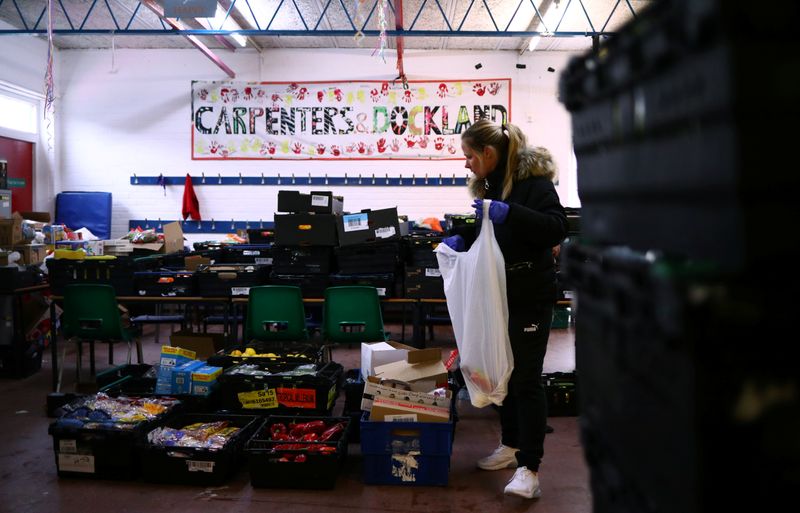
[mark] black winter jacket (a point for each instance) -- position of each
(536, 223)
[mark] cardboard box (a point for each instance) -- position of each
(368, 226)
(375, 389)
(32, 253)
(11, 230)
(203, 344)
(173, 240)
(204, 379)
(320, 202)
(393, 410)
(375, 354)
(422, 369)
(182, 376)
(194, 261)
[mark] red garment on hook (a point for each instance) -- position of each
(191, 207)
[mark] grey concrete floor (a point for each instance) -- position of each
(29, 483)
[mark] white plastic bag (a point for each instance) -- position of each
(475, 288)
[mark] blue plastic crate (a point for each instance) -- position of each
(429, 438)
(406, 469)
(406, 453)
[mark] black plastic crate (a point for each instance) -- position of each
(419, 250)
(305, 229)
(230, 279)
(267, 353)
(460, 224)
(277, 389)
(177, 259)
(423, 282)
(289, 464)
(353, 389)
(247, 254)
(561, 391)
(320, 202)
(385, 284)
(116, 272)
(138, 382)
(164, 283)
(302, 259)
(260, 235)
(12, 277)
(174, 463)
(311, 285)
(86, 444)
(369, 258)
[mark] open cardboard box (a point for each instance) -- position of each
(203, 344)
(173, 240)
(375, 354)
(422, 369)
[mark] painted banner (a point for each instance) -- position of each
(341, 120)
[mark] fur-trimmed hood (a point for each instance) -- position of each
(532, 161)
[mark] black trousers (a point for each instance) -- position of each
(523, 415)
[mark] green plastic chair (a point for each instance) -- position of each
(275, 313)
(91, 314)
(351, 314)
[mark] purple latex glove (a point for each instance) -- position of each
(498, 211)
(455, 242)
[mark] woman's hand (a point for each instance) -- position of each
(498, 211)
(456, 242)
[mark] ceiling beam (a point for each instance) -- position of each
(177, 25)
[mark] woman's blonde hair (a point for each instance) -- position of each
(507, 139)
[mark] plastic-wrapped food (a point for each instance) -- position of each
(102, 411)
(209, 435)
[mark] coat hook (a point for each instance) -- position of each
(204, 178)
(426, 178)
(279, 178)
(199, 224)
(400, 182)
(159, 223)
(440, 178)
(413, 179)
(326, 178)
(146, 223)
(345, 178)
(220, 178)
(359, 178)
(135, 179)
(387, 178)
(454, 178)
(233, 226)
(260, 224)
(292, 178)
(373, 178)
(262, 178)
(247, 225)
(309, 178)
(213, 224)
(240, 179)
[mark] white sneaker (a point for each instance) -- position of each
(502, 457)
(524, 484)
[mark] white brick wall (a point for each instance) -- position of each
(136, 119)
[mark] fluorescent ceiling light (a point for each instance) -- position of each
(220, 22)
(548, 23)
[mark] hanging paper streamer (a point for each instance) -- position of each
(49, 95)
(359, 19)
(382, 24)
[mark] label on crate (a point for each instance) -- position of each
(355, 222)
(76, 463)
(318, 200)
(240, 291)
(263, 261)
(297, 397)
(331, 397)
(432, 272)
(385, 232)
(68, 446)
(568, 294)
(258, 399)
(381, 291)
(200, 466)
(405, 466)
